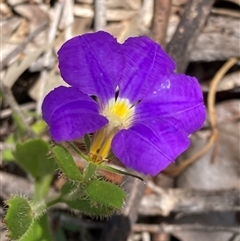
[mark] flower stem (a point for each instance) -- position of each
(54, 201)
(72, 145)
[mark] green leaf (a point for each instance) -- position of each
(66, 163)
(41, 187)
(68, 187)
(106, 193)
(33, 157)
(90, 208)
(21, 129)
(39, 230)
(89, 171)
(19, 217)
(7, 155)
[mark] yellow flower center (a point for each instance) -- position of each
(120, 115)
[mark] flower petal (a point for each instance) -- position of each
(178, 100)
(92, 63)
(70, 114)
(145, 65)
(148, 151)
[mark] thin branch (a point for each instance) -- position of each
(160, 20)
(100, 15)
(189, 201)
(226, 12)
(21, 46)
(171, 228)
(10, 99)
(190, 26)
(7, 112)
(47, 56)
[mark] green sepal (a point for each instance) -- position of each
(89, 171)
(110, 155)
(78, 151)
(90, 208)
(66, 163)
(115, 170)
(33, 157)
(87, 142)
(19, 217)
(105, 193)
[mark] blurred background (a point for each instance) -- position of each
(197, 198)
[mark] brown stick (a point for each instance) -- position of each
(21, 46)
(189, 201)
(160, 20)
(190, 26)
(10, 99)
(161, 203)
(170, 228)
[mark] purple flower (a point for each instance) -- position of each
(129, 96)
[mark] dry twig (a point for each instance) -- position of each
(100, 15)
(161, 203)
(7, 94)
(160, 20)
(171, 228)
(19, 49)
(47, 55)
(190, 26)
(7, 112)
(226, 12)
(170, 200)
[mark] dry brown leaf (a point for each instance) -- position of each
(20, 34)
(33, 13)
(133, 4)
(120, 14)
(5, 11)
(8, 27)
(15, 2)
(84, 11)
